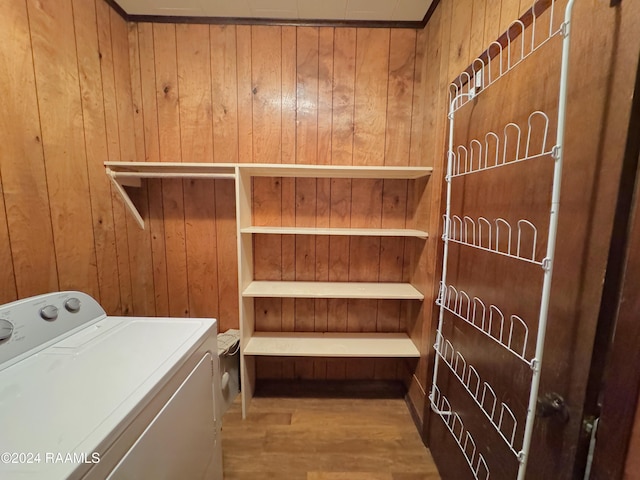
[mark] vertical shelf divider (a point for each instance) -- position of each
(245, 277)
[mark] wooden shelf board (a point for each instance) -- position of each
(368, 232)
(267, 170)
(169, 169)
(306, 344)
(383, 291)
(334, 171)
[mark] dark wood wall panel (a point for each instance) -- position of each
(597, 115)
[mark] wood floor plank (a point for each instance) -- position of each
(324, 439)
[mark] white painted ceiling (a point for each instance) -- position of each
(386, 10)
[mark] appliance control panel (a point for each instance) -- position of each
(31, 324)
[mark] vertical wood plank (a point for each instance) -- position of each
(400, 96)
(323, 185)
(152, 154)
(460, 38)
(139, 241)
(509, 12)
(417, 155)
(24, 185)
(266, 72)
(245, 93)
(370, 113)
(394, 196)
(289, 92)
(371, 90)
(136, 90)
(224, 93)
(56, 69)
(227, 258)
(477, 39)
(103, 14)
(224, 79)
(344, 71)
(85, 25)
(289, 106)
(307, 152)
(492, 21)
(164, 36)
(196, 138)
(202, 247)
(144, 238)
(344, 55)
(307, 95)
(372, 68)
(194, 87)
(366, 197)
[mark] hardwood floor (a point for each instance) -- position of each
(324, 439)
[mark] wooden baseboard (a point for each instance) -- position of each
(415, 399)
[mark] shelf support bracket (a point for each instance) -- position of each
(119, 186)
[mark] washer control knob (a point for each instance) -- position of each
(49, 313)
(6, 329)
(72, 305)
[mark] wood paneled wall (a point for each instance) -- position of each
(66, 84)
(82, 86)
(271, 94)
(456, 34)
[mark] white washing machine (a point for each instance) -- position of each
(88, 396)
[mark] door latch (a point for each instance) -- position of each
(552, 405)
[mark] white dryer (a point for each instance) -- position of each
(87, 396)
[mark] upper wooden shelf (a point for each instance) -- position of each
(228, 170)
(301, 289)
(131, 174)
(333, 171)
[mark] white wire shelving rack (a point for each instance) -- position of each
(517, 240)
(463, 438)
(511, 333)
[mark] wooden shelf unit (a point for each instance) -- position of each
(130, 174)
(332, 344)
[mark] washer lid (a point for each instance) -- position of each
(71, 396)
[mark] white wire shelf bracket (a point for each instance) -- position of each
(512, 333)
(482, 393)
(495, 236)
(441, 406)
(496, 150)
(482, 74)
